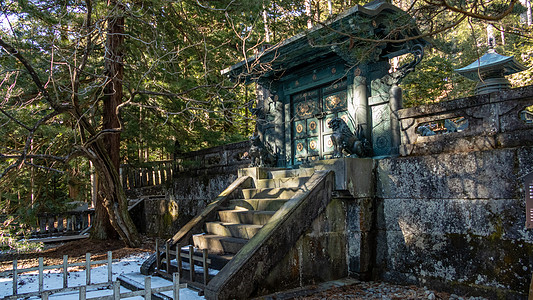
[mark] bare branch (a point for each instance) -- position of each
(14, 52)
(471, 14)
(15, 119)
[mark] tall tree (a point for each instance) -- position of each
(68, 71)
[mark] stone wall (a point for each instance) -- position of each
(197, 178)
(451, 212)
(476, 123)
(456, 221)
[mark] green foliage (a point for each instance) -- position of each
(14, 237)
(435, 79)
(174, 92)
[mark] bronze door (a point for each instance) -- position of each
(311, 112)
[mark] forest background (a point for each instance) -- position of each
(88, 85)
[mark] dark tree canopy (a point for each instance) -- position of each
(153, 67)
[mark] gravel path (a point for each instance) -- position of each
(354, 289)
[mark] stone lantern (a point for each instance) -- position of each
(490, 70)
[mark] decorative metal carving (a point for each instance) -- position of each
(336, 101)
(442, 126)
(424, 131)
(344, 141)
(261, 154)
(299, 128)
(313, 145)
(397, 76)
(306, 109)
(257, 112)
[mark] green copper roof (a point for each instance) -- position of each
(375, 20)
(489, 62)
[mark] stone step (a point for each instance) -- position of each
(243, 231)
(280, 182)
(257, 217)
(270, 193)
(218, 261)
(257, 204)
(217, 244)
(302, 172)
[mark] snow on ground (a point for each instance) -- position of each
(53, 279)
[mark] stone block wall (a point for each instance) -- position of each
(456, 221)
(197, 178)
(484, 122)
(451, 211)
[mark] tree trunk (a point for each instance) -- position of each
(308, 13)
(113, 89)
(113, 196)
(106, 155)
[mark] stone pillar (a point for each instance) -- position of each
(395, 105)
(360, 102)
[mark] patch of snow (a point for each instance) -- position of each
(197, 269)
(53, 279)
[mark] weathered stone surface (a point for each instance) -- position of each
(161, 217)
(481, 265)
(475, 175)
(455, 222)
(477, 217)
(352, 174)
(246, 272)
(318, 256)
(493, 121)
(198, 178)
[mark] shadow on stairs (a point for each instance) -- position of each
(247, 232)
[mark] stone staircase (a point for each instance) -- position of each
(256, 220)
(243, 217)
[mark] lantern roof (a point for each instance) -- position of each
(491, 62)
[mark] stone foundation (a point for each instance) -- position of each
(456, 222)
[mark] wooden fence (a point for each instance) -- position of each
(82, 290)
(63, 223)
(15, 272)
(146, 293)
(166, 260)
(153, 173)
(226, 157)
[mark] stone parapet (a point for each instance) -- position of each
(475, 123)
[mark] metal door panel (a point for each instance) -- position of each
(312, 127)
(300, 129)
(334, 102)
(300, 148)
(325, 127)
(313, 145)
(311, 112)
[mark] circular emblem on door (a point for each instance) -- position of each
(332, 102)
(312, 145)
(329, 143)
(381, 142)
(299, 128)
(312, 125)
(300, 147)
